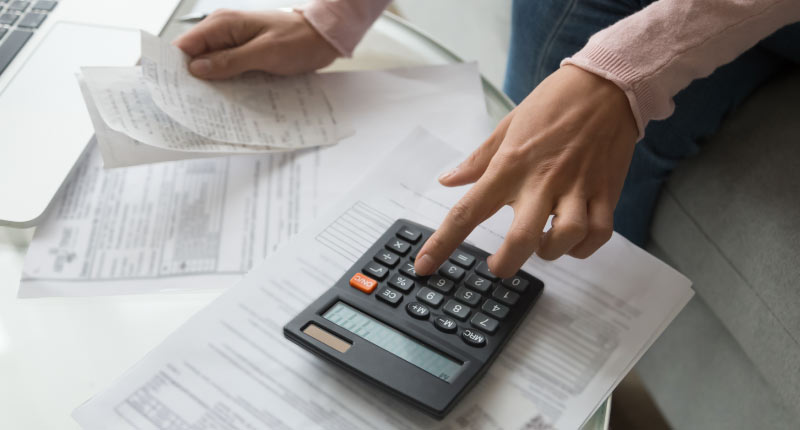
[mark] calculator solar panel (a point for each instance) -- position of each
(425, 339)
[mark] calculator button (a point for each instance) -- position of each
(466, 296)
(516, 283)
(418, 310)
(478, 284)
(430, 297)
(455, 309)
(410, 234)
(495, 309)
(389, 296)
(473, 338)
(413, 255)
(376, 270)
(506, 296)
(445, 324)
(408, 269)
(388, 258)
(451, 271)
(364, 283)
(463, 259)
(401, 282)
(440, 283)
(483, 269)
(485, 323)
(399, 246)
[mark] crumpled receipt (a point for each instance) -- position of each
(160, 112)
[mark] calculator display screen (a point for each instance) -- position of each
(392, 341)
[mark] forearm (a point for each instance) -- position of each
(655, 53)
(343, 22)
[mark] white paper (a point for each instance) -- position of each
(205, 7)
(120, 96)
(131, 230)
(230, 367)
(255, 108)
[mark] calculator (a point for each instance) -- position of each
(425, 339)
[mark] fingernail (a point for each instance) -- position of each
(446, 175)
(200, 67)
(424, 264)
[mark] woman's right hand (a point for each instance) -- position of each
(228, 43)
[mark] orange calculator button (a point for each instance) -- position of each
(363, 283)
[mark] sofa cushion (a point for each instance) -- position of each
(730, 220)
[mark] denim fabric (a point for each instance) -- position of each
(546, 31)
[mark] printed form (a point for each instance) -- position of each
(229, 366)
(203, 223)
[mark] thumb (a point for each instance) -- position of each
(471, 169)
(225, 63)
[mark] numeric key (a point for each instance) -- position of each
(430, 297)
(516, 283)
(455, 309)
(451, 271)
(506, 296)
(469, 297)
(478, 284)
(485, 323)
(495, 309)
(440, 283)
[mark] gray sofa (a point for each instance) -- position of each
(730, 220)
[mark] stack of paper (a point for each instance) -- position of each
(230, 367)
(203, 223)
(159, 111)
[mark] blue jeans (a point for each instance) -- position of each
(546, 31)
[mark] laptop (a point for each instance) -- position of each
(44, 126)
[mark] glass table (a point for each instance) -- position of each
(55, 353)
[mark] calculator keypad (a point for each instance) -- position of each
(463, 296)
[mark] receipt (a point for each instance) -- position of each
(255, 108)
(123, 102)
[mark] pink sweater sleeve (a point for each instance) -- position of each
(343, 22)
(658, 51)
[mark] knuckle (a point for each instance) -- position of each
(573, 227)
(523, 236)
(461, 216)
(602, 232)
(226, 13)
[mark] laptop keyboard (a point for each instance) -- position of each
(18, 20)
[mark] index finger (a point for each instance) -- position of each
(211, 34)
(479, 203)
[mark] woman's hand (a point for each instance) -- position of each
(228, 43)
(565, 150)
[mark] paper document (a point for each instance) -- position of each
(200, 224)
(230, 367)
(161, 105)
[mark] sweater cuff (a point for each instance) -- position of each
(597, 59)
(339, 23)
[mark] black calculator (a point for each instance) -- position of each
(425, 339)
